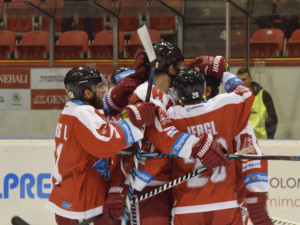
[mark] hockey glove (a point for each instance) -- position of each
(256, 205)
(141, 65)
(114, 205)
(210, 152)
(141, 113)
(119, 96)
(211, 66)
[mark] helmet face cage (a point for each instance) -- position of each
(167, 54)
(189, 84)
(80, 78)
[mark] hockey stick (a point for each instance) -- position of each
(231, 156)
(145, 39)
(16, 220)
(276, 220)
(244, 151)
(90, 220)
(268, 157)
(180, 180)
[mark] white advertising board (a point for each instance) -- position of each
(284, 180)
(15, 99)
(25, 176)
(53, 78)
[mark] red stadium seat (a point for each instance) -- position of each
(7, 44)
(164, 24)
(129, 24)
(102, 47)
(238, 43)
(53, 7)
(34, 45)
(130, 17)
(267, 42)
(293, 45)
(71, 45)
(18, 20)
(135, 42)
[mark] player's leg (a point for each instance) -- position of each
(157, 209)
(66, 221)
(188, 219)
(231, 216)
(225, 217)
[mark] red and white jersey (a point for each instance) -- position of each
(253, 173)
(224, 117)
(82, 138)
(163, 137)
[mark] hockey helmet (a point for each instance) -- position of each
(189, 84)
(80, 78)
(120, 74)
(214, 84)
(167, 54)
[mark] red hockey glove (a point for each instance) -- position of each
(114, 204)
(210, 152)
(141, 65)
(140, 113)
(211, 66)
(118, 97)
(256, 205)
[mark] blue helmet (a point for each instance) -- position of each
(120, 74)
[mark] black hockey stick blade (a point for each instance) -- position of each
(276, 220)
(90, 220)
(16, 220)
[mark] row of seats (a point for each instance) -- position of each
(268, 42)
(70, 44)
(75, 44)
(165, 24)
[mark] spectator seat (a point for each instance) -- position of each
(71, 45)
(34, 45)
(131, 16)
(102, 47)
(267, 42)
(18, 19)
(7, 44)
(53, 7)
(135, 42)
(293, 45)
(238, 43)
(166, 25)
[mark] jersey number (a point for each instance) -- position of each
(56, 174)
(219, 174)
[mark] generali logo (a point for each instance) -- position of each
(48, 98)
(15, 79)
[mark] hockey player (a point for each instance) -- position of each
(163, 137)
(211, 197)
(246, 168)
(82, 137)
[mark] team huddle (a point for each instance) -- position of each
(186, 118)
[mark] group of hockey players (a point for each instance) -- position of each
(185, 118)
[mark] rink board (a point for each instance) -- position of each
(26, 167)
